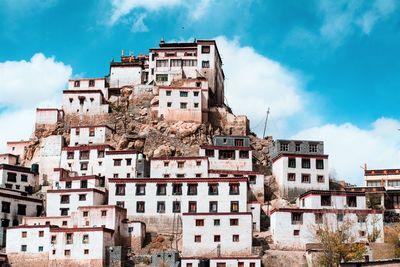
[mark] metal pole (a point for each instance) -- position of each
(265, 125)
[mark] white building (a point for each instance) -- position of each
(85, 160)
(163, 199)
(295, 227)
(185, 101)
(9, 159)
(18, 178)
(229, 153)
(48, 118)
(171, 62)
(14, 206)
(88, 135)
(179, 167)
(233, 261)
(17, 147)
(49, 157)
(217, 234)
(121, 164)
(84, 102)
(299, 166)
(86, 84)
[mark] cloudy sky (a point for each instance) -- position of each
(328, 70)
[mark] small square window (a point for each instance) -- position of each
(217, 238)
(196, 105)
(183, 105)
(168, 93)
(23, 248)
(200, 222)
(296, 232)
(235, 238)
(85, 213)
(169, 104)
(217, 222)
(23, 234)
(86, 251)
(197, 238)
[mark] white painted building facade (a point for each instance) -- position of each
(84, 102)
(88, 135)
(18, 178)
(179, 167)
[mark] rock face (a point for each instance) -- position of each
(137, 128)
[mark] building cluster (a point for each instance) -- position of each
(84, 203)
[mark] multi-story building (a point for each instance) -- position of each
(88, 135)
(299, 166)
(14, 206)
(17, 147)
(126, 164)
(18, 178)
(84, 102)
(9, 159)
(89, 84)
(179, 167)
(319, 209)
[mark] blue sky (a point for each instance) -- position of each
(329, 69)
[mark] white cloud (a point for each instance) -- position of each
(25, 86)
(26, 83)
(121, 8)
(349, 146)
(255, 82)
(342, 18)
(139, 25)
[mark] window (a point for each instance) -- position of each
(77, 83)
(100, 153)
(68, 184)
(196, 105)
(217, 238)
(140, 189)
(189, 62)
(24, 178)
(160, 206)
(296, 232)
(284, 147)
(21, 209)
(120, 190)
(326, 200)
(84, 184)
(70, 155)
(210, 153)
(196, 93)
(69, 238)
(221, 264)
(313, 148)
(235, 238)
(84, 166)
(162, 63)
(305, 178)
(318, 218)
(176, 206)
(199, 222)
(85, 239)
(5, 207)
(121, 204)
(213, 205)
(292, 162)
(176, 62)
(205, 64)
(213, 189)
(197, 238)
(217, 222)
(234, 189)
(84, 155)
(243, 154)
(192, 189)
(23, 234)
(161, 77)
(67, 252)
(183, 93)
(305, 163)
(189, 265)
(86, 251)
(177, 189)
(226, 154)
(117, 162)
(181, 164)
(23, 248)
(192, 206)
(140, 207)
(351, 201)
(362, 233)
(205, 49)
(168, 93)
(291, 177)
(85, 214)
(297, 218)
(41, 233)
(297, 147)
(339, 217)
(234, 206)
(234, 222)
(82, 197)
(252, 179)
(64, 199)
(64, 223)
(161, 189)
(319, 164)
(64, 211)
(169, 104)
(53, 239)
(320, 179)
(11, 177)
(183, 105)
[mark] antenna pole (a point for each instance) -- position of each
(265, 125)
